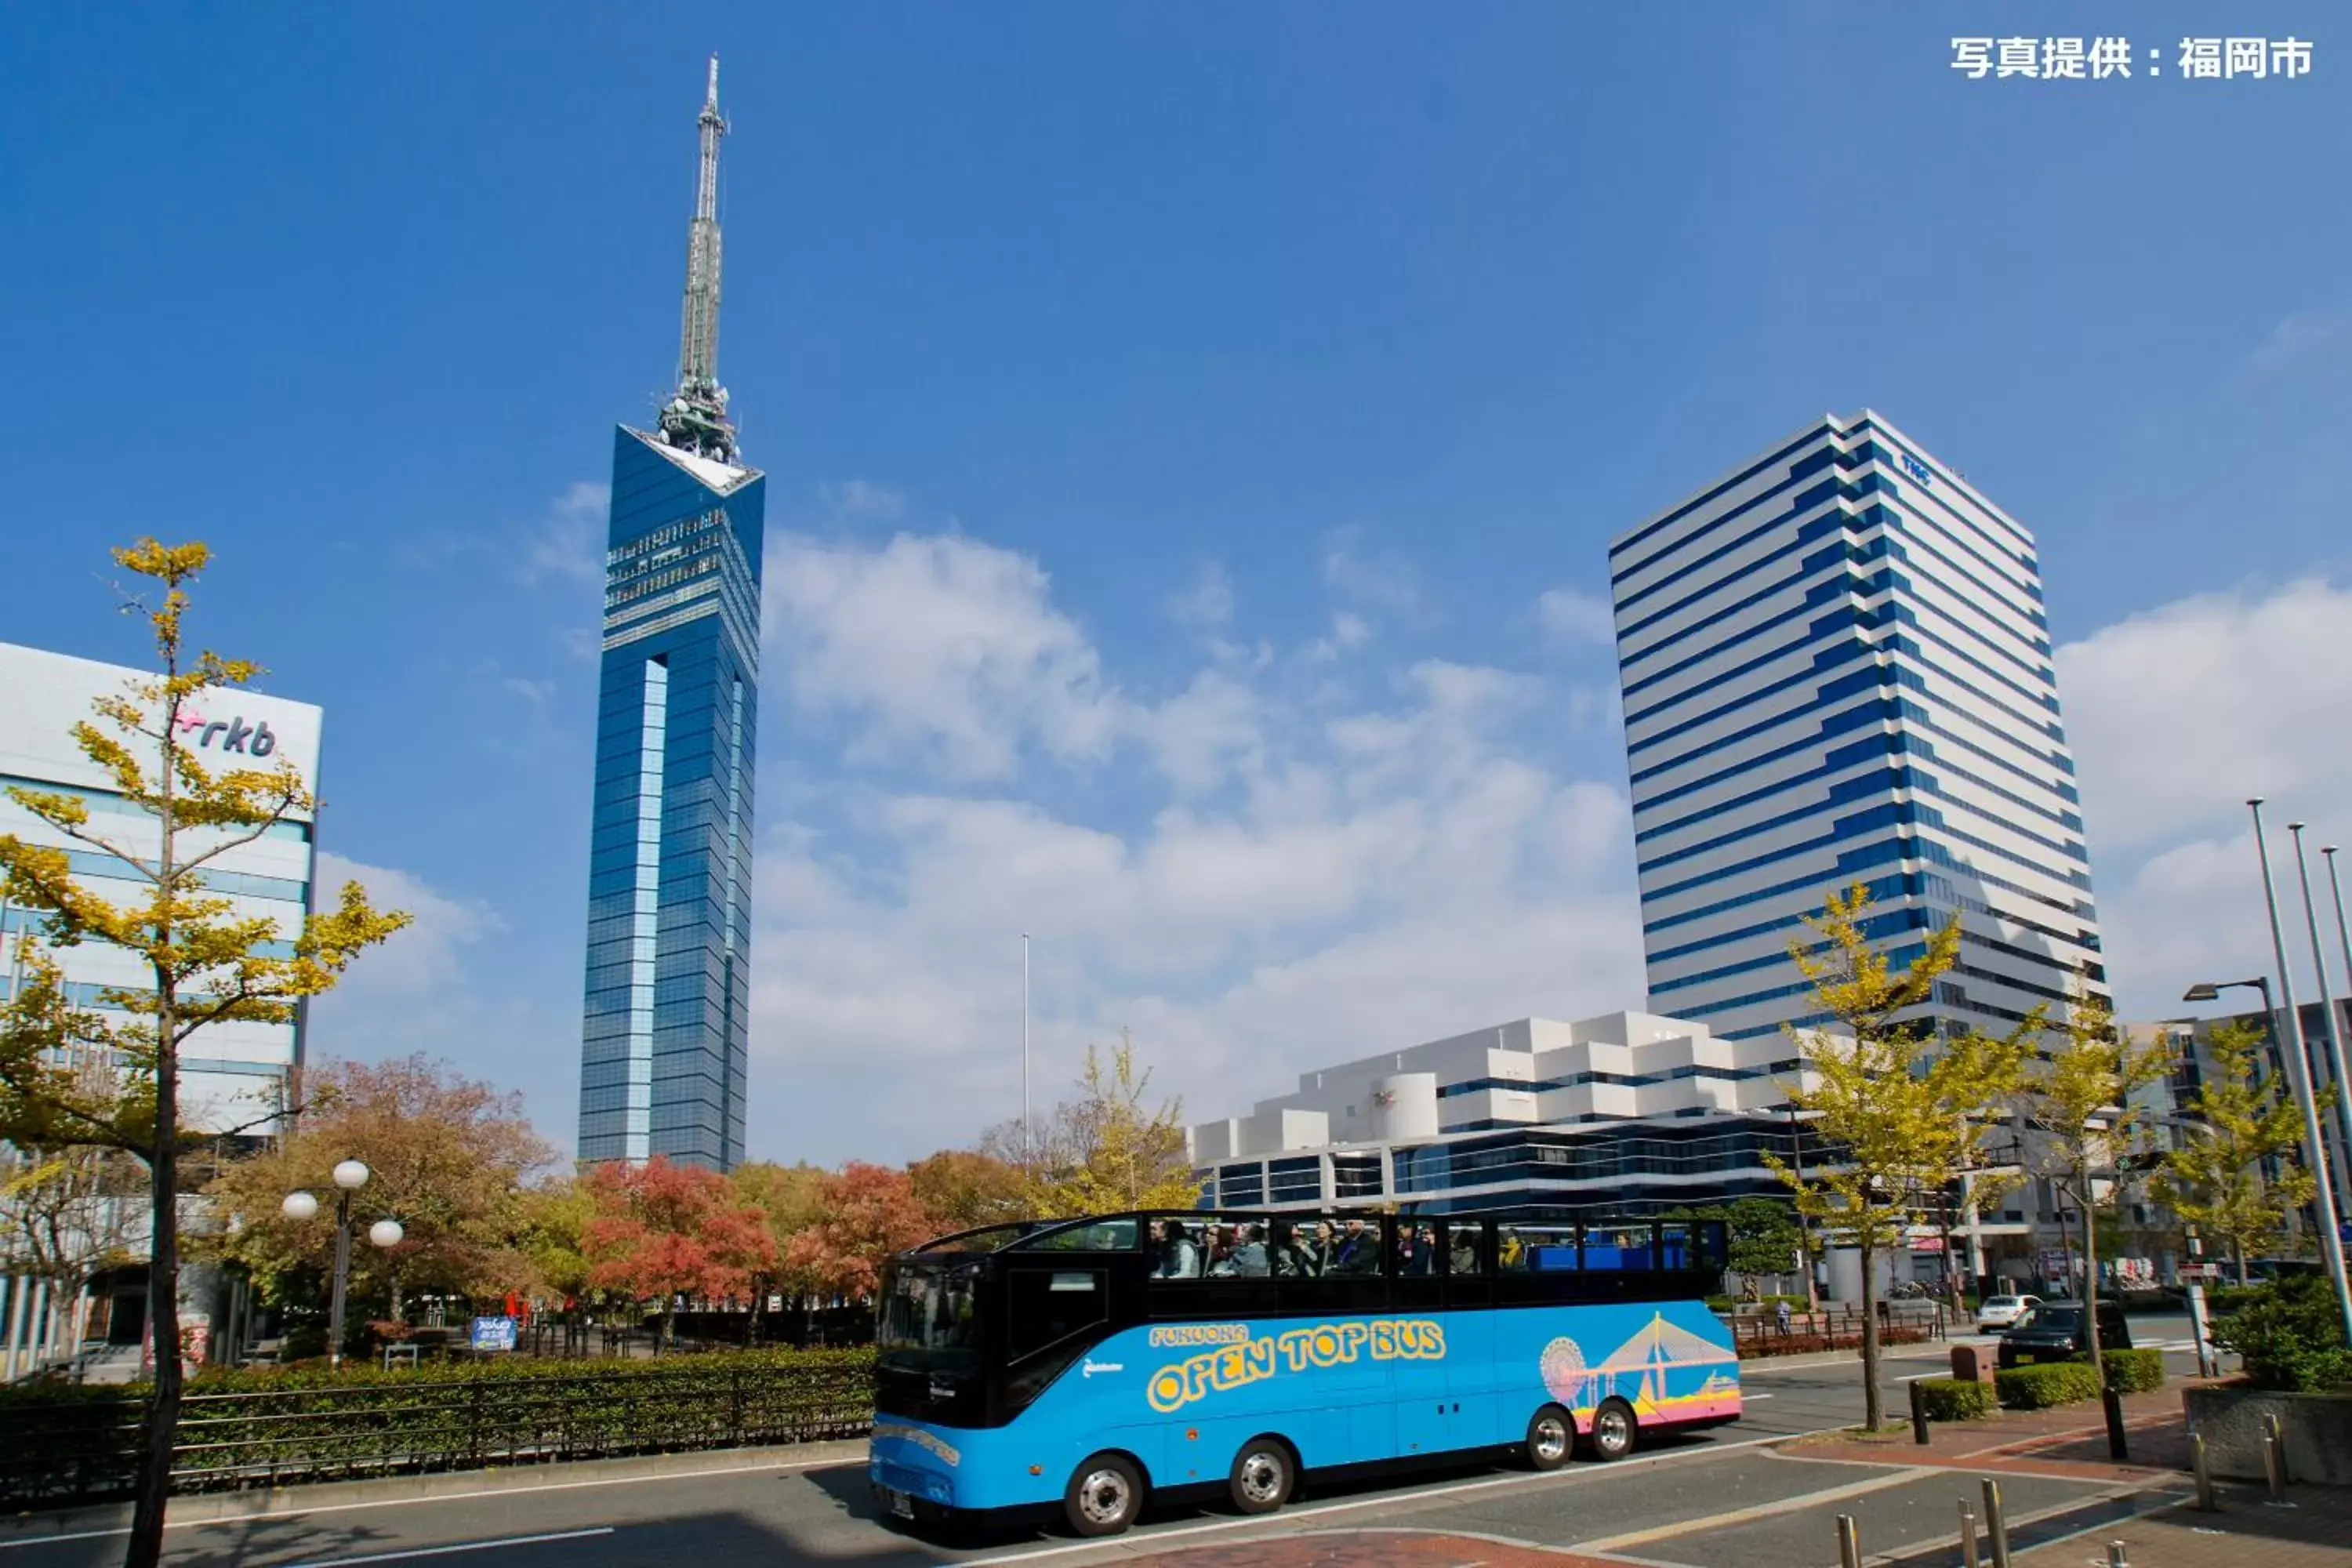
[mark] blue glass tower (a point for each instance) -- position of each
(665, 1054)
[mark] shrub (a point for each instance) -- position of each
(2046, 1383)
(2289, 1335)
(1955, 1399)
(291, 1425)
(2133, 1372)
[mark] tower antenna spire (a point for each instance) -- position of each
(695, 419)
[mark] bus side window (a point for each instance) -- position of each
(1046, 1306)
(1618, 1248)
(1674, 1246)
(1177, 1250)
(1465, 1249)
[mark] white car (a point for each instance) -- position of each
(1996, 1312)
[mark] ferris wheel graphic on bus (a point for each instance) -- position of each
(1661, 1369)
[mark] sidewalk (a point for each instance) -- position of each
(2069, 1441)
(2316, 1532)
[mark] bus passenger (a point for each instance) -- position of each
(1290, 1254)
(1465, 1250)
(1513, 1253)
(1248, 1255)
(1179, 1259)
(1358, 1251)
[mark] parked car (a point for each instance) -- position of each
(2055, 1330)
(1996, 1312)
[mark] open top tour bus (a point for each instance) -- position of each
(1092, 1363)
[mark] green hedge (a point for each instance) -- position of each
(2045, 1383)
(75, 1444)
(1955, 1399)
(2133, 1372)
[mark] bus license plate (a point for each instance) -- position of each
(901, 1504)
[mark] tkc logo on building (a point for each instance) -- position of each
(236, 735)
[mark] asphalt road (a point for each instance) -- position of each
(820, 1514)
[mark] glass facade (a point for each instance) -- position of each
(666, 1044)
(1837, 668)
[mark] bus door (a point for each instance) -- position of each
(1477, 1414)
(1443, 1378)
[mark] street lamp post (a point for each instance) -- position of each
(2334, 1052)
(350, 1176)
(1804, 1226)
(2298, 1071)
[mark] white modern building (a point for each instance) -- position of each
(233, 1074)
(1836, 670)
(1625, 1114)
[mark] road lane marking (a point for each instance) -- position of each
(448, 1551)
(1741, 1516)
(1288, 1517)
(230, 1519)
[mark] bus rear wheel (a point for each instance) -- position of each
(1104, 1495)
(1551, 1433)
(1263, 1476)
(1613, 1427)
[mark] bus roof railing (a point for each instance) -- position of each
(1019, 1232)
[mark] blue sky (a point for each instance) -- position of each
(1193, 432)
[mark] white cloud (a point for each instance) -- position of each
(567, 545)
(2296, 340)
(1572, 616)
(940, 649)
(2177, 715)
(1386, 582)
(1309, 882)
(428, 954)
(861, 501)
(1208, 604)
(2180, 713)
(456, 985)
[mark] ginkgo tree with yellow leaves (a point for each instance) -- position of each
(208, 963)
(1898, 1109)
(2239, 1122)
(2093, 1126)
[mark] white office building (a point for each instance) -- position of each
(1625, 1114)
(1837, 668)
(233, 1074)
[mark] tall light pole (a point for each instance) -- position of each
(1028, 1129)
(2298, 1069)
(350, 1176)
(2327, 1017)
(2343, 930)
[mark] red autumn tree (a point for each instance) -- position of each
(662, 1231)
(866, 1213)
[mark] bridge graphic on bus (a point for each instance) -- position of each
(1645, 1372)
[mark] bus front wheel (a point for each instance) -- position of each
(1551, 1433)
(1104, 1497)
(1614, 1426)
(1264, 1475)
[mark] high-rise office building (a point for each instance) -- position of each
(1836, 670)
(666, 1045)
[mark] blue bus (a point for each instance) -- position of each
(1091, 1363)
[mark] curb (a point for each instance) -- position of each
(213, 1507)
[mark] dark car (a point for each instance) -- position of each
(2056, 1331)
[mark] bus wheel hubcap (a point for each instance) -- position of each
(1612, 1428)
(1552, 1437)
(1104, 1495)
(1262, 1477)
